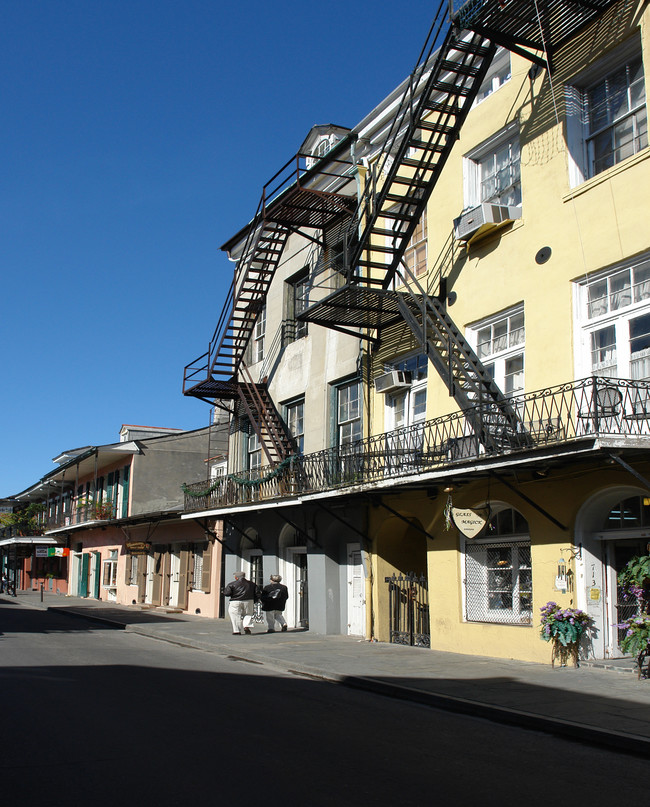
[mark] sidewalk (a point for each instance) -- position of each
(600, 702)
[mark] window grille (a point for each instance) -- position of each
(498, 582)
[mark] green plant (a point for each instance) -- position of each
(563, 627)
(634, 580)
(637, 635)
(25, 521)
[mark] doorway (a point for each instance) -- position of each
(174, 577)
(296, 580)
(619, 608)
(356, 592)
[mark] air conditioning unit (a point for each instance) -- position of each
(482, 218)
(393, 380)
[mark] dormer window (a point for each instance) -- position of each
(322, 147)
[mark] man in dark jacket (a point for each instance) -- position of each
(242, 593)
(274, 600)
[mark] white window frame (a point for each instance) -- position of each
(348, 413)
(606, 304)
(294, 416)
(197, 568)
(499, 73)
(504, 349)
(476, 606)
(472, 179)
(109, 570)
(259, 331)
(577, 110)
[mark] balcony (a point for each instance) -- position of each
(83, 513)
(554, 418)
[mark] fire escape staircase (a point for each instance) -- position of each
(437, 99)
(220, 374)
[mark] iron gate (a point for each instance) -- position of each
(408, 602)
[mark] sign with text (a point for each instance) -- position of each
(470, 522)
(138, 547)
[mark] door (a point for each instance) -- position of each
(82, 585)
(150, 572)
(96, 574)
(174, 575)
(295, 579)
(619, 608)
(356, 592)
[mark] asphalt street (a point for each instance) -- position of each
(95, 715)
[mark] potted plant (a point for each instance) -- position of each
(563, 627)
(634, 581)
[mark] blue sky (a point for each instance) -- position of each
(135, 139)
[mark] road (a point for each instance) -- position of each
(92, 715)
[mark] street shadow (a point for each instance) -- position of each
(146, 734)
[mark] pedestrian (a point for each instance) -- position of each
(243, 594)
(274, 600)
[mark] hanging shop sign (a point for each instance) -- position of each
(470, 522)
(51, 551)
(138, 547)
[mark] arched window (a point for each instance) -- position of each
(498, 574)
(628, 514)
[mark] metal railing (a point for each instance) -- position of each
(84, 513)
(577, 410)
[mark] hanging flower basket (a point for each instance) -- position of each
(563, 627)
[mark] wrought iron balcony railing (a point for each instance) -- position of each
(589, 408)
(83, 514)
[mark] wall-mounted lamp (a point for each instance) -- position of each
(574, 552)
(448, 489)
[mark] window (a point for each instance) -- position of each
(606, 114)
(616, 117)
(498, 573)
(348, 413)
(492, 171)
(254, 451)
(629, 513)
(295, 419)
(409, 406)
(415, 255)
(615, 313)
(497, 75)
(500, 345)
(258, 336)
(133, 576)
(197, 570)
(109, 570)
(297, 298)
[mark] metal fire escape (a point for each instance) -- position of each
(456, 57)
(452, 65)
(297, 199)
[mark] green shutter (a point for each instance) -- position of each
(127, 569)
(125, 492)
(83, 575)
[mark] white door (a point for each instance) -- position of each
(295, 579)
(174, 571)
(356, 592)
(148, 592)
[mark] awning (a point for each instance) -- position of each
(29, 540)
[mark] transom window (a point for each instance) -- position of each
(616, 114)
(629, 513)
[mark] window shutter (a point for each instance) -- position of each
(183, 577)
(157, 578)
(125, 491)
(127, 569)
(206, 577)
(142, 577)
